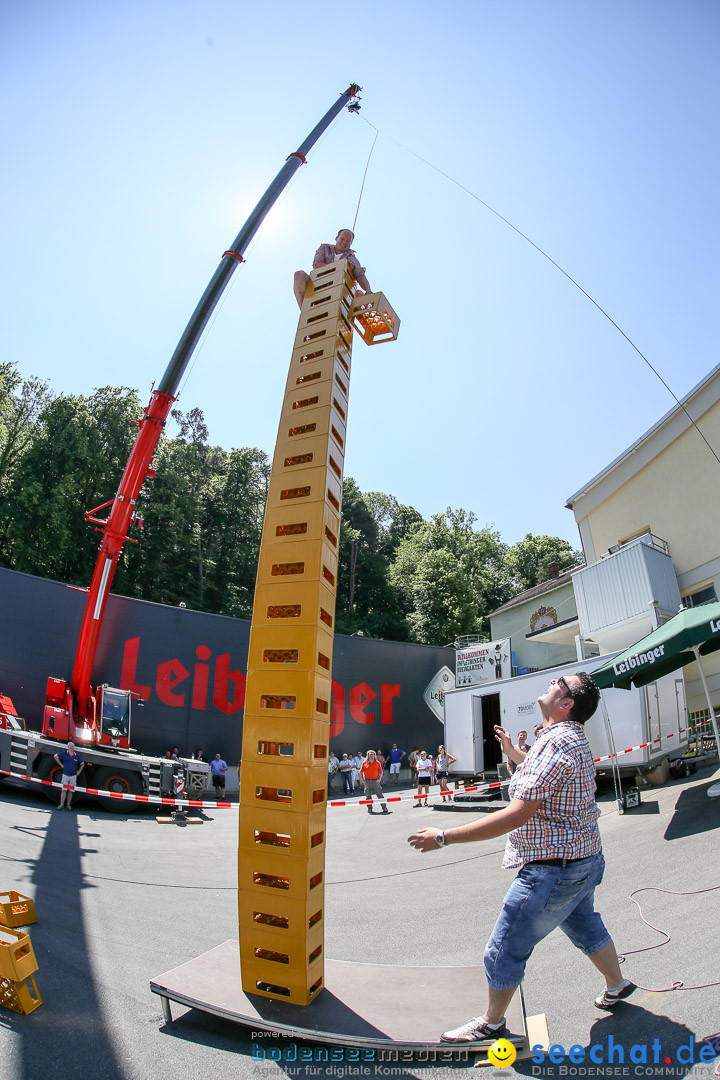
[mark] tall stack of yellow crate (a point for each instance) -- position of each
(283, 792)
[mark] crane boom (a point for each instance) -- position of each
(75, 700)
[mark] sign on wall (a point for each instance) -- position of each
(434, 696)
(483, 662)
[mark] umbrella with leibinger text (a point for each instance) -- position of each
(691, 634)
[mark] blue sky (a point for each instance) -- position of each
(139, 135)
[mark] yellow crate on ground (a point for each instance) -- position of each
(17, 958)
(16, 909)
(18, 996)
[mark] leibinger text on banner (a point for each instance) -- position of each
(640, 660)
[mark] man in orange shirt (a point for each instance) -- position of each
(371, 771)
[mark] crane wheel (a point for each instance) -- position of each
(50, 770)
(124, 783)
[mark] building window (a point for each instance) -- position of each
(702, 596)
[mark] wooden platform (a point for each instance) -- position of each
(361, 1005)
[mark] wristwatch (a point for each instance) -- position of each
(440, 839)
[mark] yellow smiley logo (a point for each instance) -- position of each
(502, 1053)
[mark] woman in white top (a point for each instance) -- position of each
(423, 767)
(442, 764)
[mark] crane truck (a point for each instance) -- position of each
(98, 718)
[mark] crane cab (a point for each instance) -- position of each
(114, 711)
(106, 725)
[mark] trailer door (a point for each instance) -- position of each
(681, 706)
(486, 714)
(477, 730)
(653, 729)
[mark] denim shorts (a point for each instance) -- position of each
(540, 898)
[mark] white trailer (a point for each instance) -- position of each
(641, 715)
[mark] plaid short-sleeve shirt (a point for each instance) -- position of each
(559, 769)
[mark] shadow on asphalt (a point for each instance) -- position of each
(65, 973)
(629, 1042)
(299, 1059)
(644, 809)
(694, 813)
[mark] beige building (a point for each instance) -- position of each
(541, 623)
(650, 530)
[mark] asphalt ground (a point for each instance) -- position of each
(121, 898)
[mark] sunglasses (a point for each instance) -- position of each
(566, 688)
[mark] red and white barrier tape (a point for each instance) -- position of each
(643, 745)
(155, 800)
(164, 800)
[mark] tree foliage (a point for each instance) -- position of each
(450, 576)
(72, 464)
(399, 576)
(529, 560)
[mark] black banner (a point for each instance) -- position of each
(190, 668)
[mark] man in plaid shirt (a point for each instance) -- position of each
(554, 840)
(330, 253)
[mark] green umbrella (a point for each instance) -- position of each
(692, 633)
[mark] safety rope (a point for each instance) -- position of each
(362, 186)
(557, 266)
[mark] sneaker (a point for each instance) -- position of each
(475, 1031)
(385, 810)
(416, 804)
(609, 998)
(370, 809)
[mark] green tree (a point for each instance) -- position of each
(366, 600)
(234, 512)
(169, 565)
(73, 464)
(451, 576)
(21, 404)
(394, 520)
(529, 560)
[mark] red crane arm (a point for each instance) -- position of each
(78, 698)
(115, 533)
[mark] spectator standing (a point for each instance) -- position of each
(381, 759)
(396, 757)
(515, 754)
(333, 766)
(443, 762)
(371, 770)
(72, 765)
(357, 761)
(423, 767)
(218, 768)
(346, 770)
